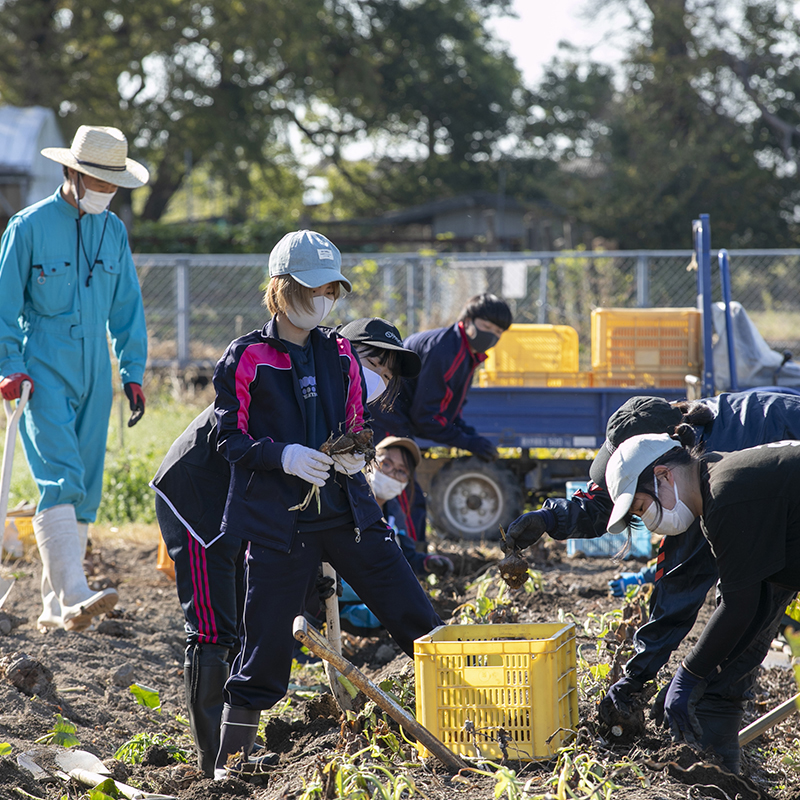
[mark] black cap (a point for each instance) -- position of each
(377, 332)
(636, 416)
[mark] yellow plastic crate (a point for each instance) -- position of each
(518, 678)
(552, 379)
(24, 527)
(645, 380)
(534, 348)
(632, 343)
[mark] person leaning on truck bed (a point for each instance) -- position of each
(429, 406)
(686, 568)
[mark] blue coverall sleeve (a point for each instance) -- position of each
(15, 269)
(126, 321)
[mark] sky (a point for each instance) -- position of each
(533, 37)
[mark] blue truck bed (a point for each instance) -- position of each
(546, 417)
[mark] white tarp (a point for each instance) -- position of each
(757, 364)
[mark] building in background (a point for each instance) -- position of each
(26, 176)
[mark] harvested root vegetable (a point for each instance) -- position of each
(350, 442)
(338, 444)
(514, 570)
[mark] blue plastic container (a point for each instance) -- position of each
(609, 544)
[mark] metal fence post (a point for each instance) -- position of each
(643, 280)
(427, 293)
(411, 305)
(543, 271)
(182, 310)
(388, 290)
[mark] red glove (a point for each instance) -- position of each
(135, 395)
(11, 385)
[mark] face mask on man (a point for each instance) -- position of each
(375, 384)
(481, 341)
(307, 320)
(92, 202)
(384, 486)
(674, 521)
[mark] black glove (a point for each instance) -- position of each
(483, 448)
(325, 586)
(680, 704)
(440, 566)
(619, 699)
(135, 395)
(529, 528)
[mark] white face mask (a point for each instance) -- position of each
(95, 202)
(673, 521)
(307, 320)
(383, 486)
(375, 385)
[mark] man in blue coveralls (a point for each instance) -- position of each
(67, 281)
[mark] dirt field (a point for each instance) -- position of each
(143, 643)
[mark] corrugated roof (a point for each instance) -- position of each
(20, 129)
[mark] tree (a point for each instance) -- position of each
(217, 81)
(680, 130)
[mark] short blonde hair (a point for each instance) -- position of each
(284, 290)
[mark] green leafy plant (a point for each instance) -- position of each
(5, 748)
(132, 752)
(145, 696)
(62, 733)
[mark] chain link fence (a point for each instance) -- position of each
(196, 304)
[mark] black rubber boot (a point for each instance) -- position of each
(238, 734)
(721, 725)
(205, 670)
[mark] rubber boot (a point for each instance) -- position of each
(237, 735)
(721, 724)
(205, 670)
(67, 600)
(51, 616)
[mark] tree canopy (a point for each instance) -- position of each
(224, 82)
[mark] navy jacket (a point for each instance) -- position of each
(429, 406)
(259, 410)
(193, 478)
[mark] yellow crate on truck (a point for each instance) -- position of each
(645, 346)
(533, 355)
(478, 683)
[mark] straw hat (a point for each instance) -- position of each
(102, 153)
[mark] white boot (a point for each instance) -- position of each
(61, 547)
(51, 616)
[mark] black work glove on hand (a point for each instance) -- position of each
(618, 701)
(529, 528)
(676, 704)
(440, 566)
(483, 448)
(325, 586)
(135, 395)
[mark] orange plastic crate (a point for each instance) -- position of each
(645, 346)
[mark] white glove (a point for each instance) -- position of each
(306, 463)
(349, 463)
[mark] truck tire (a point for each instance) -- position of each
(470, 499)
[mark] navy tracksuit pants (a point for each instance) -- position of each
(210, 581)
(277, 584)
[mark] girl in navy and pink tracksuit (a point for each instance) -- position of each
(277, 401)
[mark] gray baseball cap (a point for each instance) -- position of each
(626, 465)
(310, 258)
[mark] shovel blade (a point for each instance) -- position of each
(80, 759)
(6, 584)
